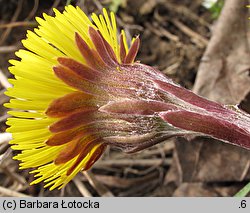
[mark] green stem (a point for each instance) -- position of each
(244, 191)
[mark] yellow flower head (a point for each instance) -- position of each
(57, 92)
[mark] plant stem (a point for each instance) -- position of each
(244, 191)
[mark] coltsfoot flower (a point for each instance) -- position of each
(78, 89)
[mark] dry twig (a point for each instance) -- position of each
(160, 31)
(14, 18)
(4, 81)
(82, 189)
(133, 162)
(33, 11)
(55, 5)
(4, 117)
(184, 11)
(19, 24)
(11, 193)
(7, 49)
(198, 39)
(124, 183)
(99, 187)
(3, 97)
(5, 137)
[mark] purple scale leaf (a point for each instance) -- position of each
(136, 107)
(72, 121)
(92, 57)
(130, 57)
(80, 69)
(122, 49)
(74, 80)
(101, 48)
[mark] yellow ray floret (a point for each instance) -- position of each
(36, 86)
